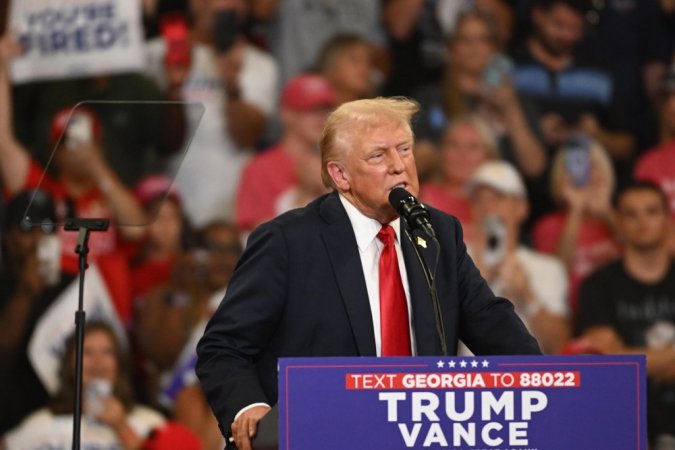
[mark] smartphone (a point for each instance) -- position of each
(175, 32)
(80, 130)
(226, 31)
(494, 230)
(497, 71)
(578, 159)
(96, 392)
(49, 258)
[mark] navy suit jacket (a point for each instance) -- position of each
(299, 291)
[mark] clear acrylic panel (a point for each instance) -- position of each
(109, 158)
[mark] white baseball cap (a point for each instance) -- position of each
(500, 176)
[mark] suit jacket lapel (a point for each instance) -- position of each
(346, 261)
(426, 337)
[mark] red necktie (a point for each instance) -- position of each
(395, 330)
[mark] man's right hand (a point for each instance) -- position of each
(245, 427)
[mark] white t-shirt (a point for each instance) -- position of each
(43, 430)
(209, 174)
(548, 280)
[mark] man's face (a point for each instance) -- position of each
(642, 220)
(463, 151)
(558, 29)
(380, 157)
(306, 126)
(353, 68)
(487, 201)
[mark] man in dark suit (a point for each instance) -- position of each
(325, 280)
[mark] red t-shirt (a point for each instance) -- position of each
(437, 196)
(595, 247)
(658, 166)
(268, 175)
(148, 275)
(103, 246)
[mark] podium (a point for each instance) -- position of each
(467, 403)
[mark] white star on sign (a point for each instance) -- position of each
(485, 363)
(463, 364)
(451, 364)
(440, 363)
(474, 363)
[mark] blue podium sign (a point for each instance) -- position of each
(463, 403)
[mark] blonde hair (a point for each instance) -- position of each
(598, 155)
(484, 132)
(334, 144)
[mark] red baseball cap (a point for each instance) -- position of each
(307, 91)
(63, 117)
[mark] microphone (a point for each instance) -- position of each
(415, 213)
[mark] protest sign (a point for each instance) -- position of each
(76, 38)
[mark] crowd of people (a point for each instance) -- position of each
(547, 127)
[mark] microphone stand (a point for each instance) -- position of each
(84, 227)
(431, 282)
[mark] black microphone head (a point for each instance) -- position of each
(397, 196)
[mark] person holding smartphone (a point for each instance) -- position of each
(209, 60)
(581, 231)
(536, 283)
(478, 80)
(111, 417)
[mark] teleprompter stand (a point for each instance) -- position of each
(84, 227)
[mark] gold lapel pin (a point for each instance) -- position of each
(421, 242)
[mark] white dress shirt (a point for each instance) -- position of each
(370, 248)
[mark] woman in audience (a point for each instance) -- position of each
(111, 419)
(465, 146)
(475, 82)
(154, 262)
(580, 232)
(346, 63)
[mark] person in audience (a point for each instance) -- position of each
(536, 283)
(85, 185)
(572, 93)
(168, 316)
(631, 41)
(416, 30)
(31, 279)
(306, 101)
(470, 85)
(581, 231)
(658, 164)
(466, 145)
(190, 407)
(628, 306)
(168, 331)
(345, 61)
(298, 30)
(154, 262)
(237, 84)
(111, 417)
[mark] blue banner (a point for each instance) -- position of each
(463, 403)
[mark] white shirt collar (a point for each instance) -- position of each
(365, 228)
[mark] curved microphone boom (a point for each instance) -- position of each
(415, 213)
